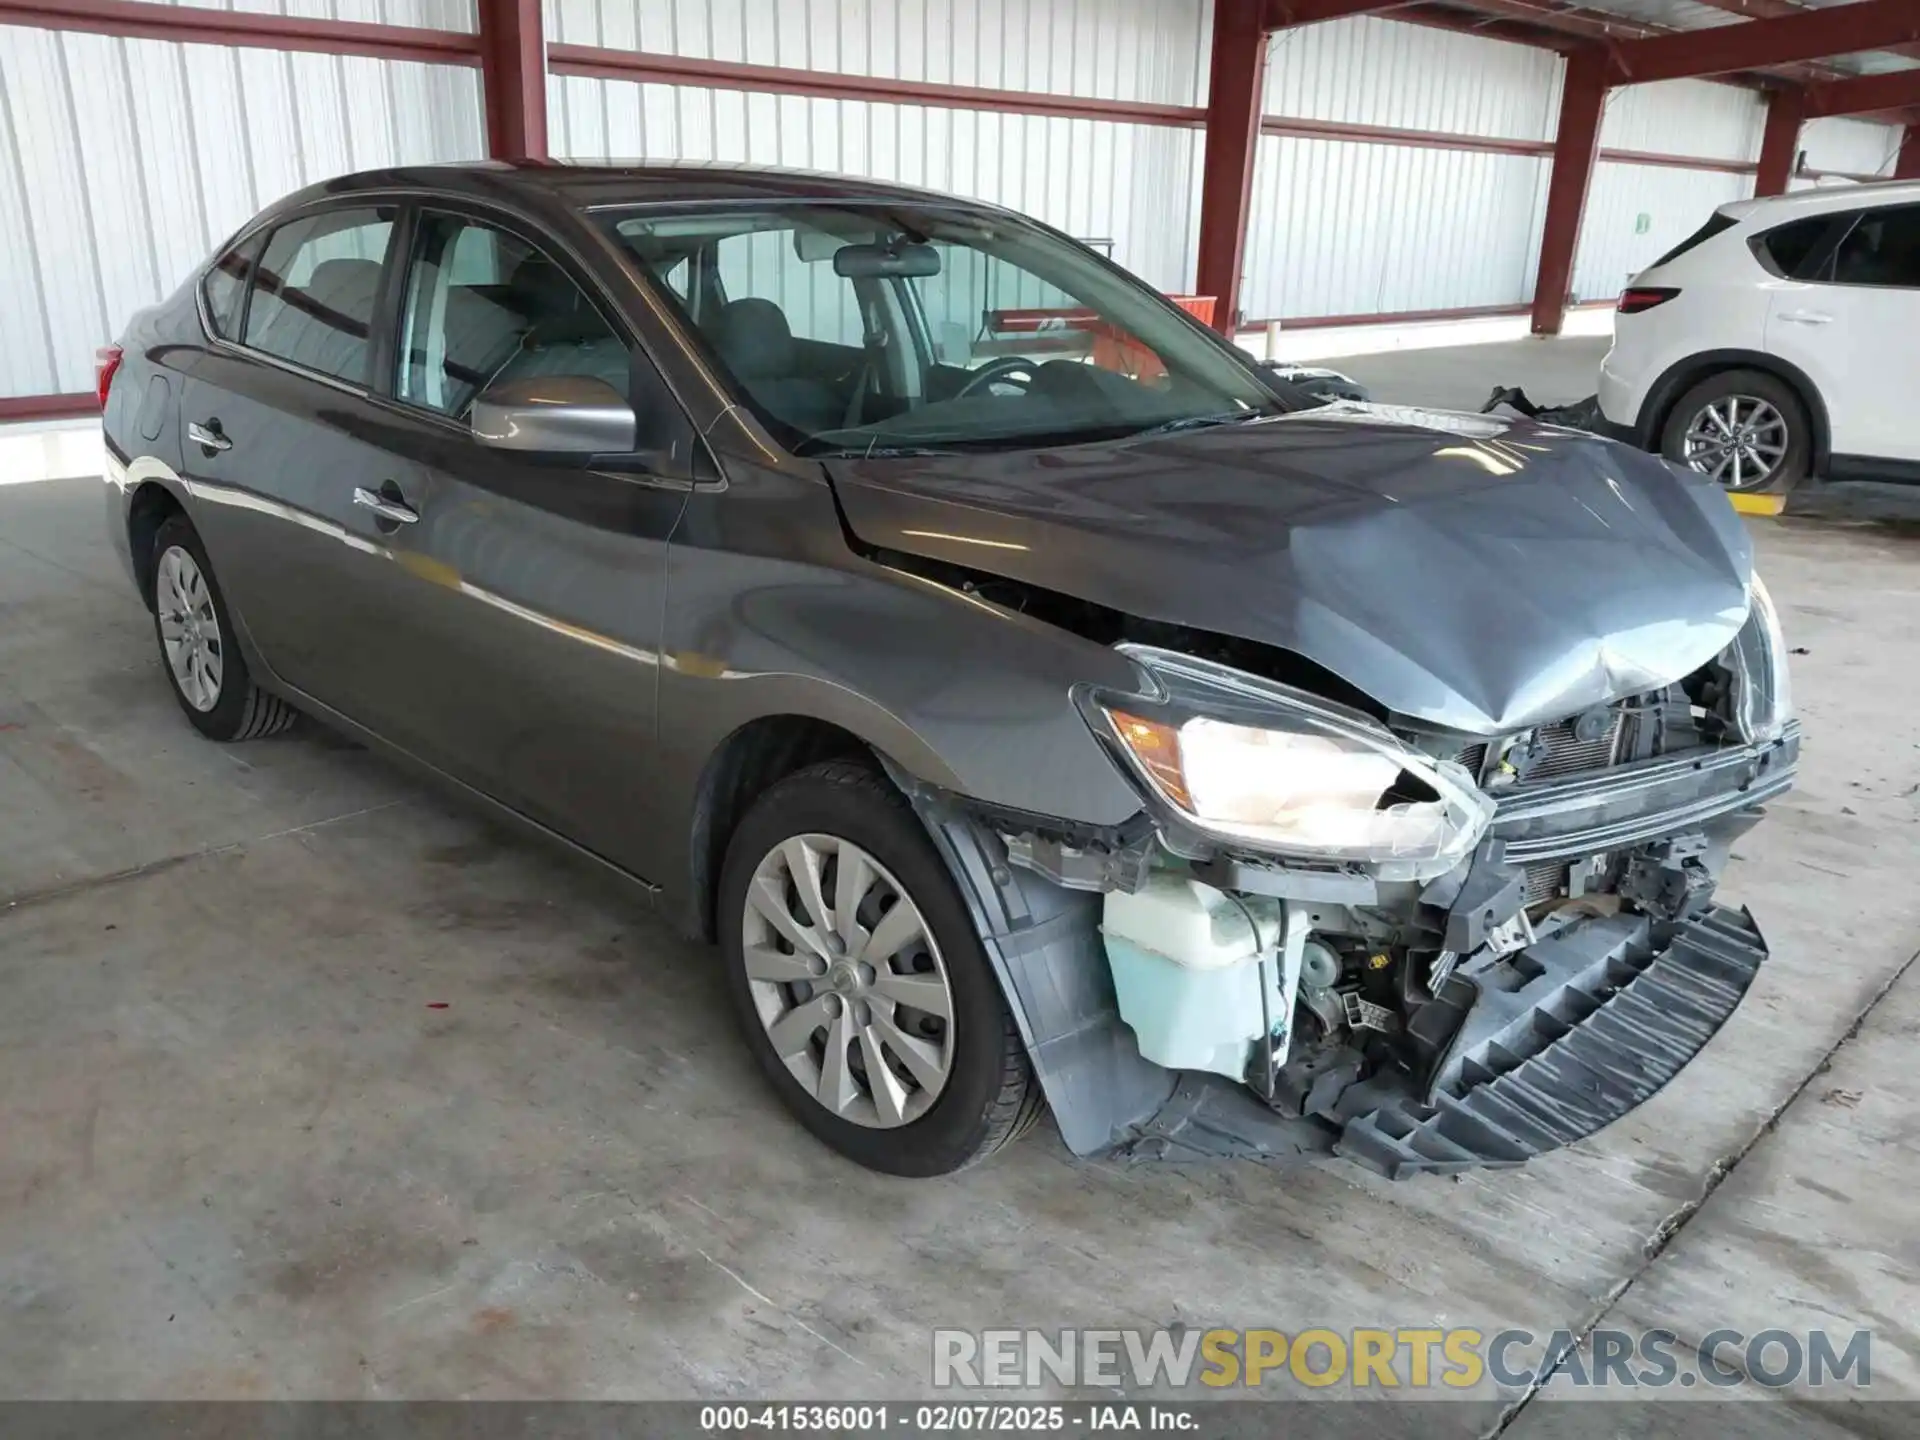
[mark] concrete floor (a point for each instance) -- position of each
(245, 1155)
(1552, 372)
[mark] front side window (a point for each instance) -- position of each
(484, 306)
(1882, 249)
(863, 328)
(316, 288)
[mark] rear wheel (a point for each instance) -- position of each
(1745, 430)
(195, 631)
(860, 982)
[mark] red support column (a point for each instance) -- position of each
(513, 69)
(1233, 131)
(1781, 144)
(1582, 99)
(1907, 167)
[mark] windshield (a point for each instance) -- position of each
(874, 329)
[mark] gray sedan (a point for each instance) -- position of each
(1041, 704)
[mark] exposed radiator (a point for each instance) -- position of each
(1545, 880)
(1567, 755)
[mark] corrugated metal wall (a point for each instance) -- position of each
(1366, 71)
(1858, 147)
(1340, 228)
(113, 185)
(1685, 117)
(1636, 213)
(1110, 49)
(1348, 228)
(1133, 185)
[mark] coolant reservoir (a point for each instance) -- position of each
(1186, 968)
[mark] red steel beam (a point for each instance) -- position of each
(646, 67)
(1583, 98)
(1756, 44)
(1468, 22)
(1774, 9)
(513, 70)
(48, 407)
(1303, 129)
(1780, 143)
(1896, 90)
(198, 25)
(1279, 14)
(1907, 167)
(1233, 134)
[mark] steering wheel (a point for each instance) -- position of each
(999, 372)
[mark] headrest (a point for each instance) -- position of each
(556, 312)
(346, 285)
(754, 339)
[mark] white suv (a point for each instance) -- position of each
(1781, 339)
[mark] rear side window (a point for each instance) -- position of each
(316, 288)
(1716, 223)
(1882, 249)
(224, 286)
(1791, 250)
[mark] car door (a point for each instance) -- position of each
(281, 435)
(532, 638)
(1853, 330)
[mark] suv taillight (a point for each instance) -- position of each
(1632, 302)
(106, 360)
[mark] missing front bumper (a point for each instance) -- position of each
(1608, 1019)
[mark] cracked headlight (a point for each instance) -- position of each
(1242, 759)
(1757, 659)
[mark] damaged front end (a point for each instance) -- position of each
(1427, 950)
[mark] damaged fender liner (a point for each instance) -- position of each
(1043, 941)
(1606, 1022)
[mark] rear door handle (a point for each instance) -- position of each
(208, 436)
(1807, 317)
(385, 506)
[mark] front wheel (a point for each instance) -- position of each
(860, 982)
(1745, 430)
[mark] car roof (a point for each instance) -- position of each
(1825, 199)
(606, 184)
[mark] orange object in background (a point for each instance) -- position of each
(1110, 348)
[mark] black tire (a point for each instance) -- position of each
(241, 709)
(990, 1096)
(1792, 466)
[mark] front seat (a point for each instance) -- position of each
(756, 344)
(564, 334)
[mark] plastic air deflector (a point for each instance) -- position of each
(1610, 1021)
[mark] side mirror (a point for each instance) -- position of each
(558, 414)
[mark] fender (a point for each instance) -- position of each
(1662, 394)
(1044, 944)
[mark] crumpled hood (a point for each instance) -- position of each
(1472, 572)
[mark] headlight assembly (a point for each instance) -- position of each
(1241, 759)
(1757, 659)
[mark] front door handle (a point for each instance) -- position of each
(387, 507)
(207, 436)
(1807, 317)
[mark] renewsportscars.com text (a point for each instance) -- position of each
(1400, 1358)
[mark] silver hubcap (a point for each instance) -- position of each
(1737, 441)
(188, 630)
(848, 981)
